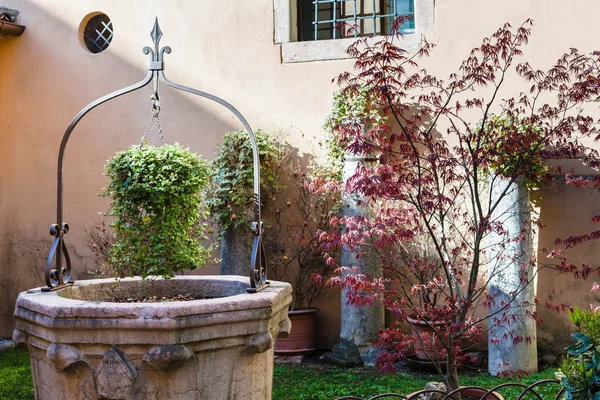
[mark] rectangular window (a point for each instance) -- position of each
(336, 19)
(302, 27)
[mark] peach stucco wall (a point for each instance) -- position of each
(224, 47)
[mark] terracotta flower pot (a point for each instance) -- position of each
(84, 345)
(302, 337)
(428, 345)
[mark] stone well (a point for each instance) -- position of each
(83, 345)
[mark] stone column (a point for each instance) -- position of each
(359, 324)
(235, 251)
(507, 263)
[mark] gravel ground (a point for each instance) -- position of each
(6, 344)
(415, 368)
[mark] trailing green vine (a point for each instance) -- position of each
(157, 201)
(506, 141)
(352, 106)
(231, 195)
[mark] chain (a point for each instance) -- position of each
(155, 112)
(160, 132)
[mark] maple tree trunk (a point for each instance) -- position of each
(451, 374)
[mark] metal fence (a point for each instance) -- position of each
(548, 389)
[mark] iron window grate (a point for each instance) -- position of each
(98, 33)
(330, 19)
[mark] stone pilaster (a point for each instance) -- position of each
(359, 324)
(508, 268)
(236, 246)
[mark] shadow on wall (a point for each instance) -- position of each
(561, 219)
(44, 81)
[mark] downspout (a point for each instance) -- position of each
(8, 28)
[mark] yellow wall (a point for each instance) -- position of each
(224, 47)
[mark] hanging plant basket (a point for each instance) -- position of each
(156, 199)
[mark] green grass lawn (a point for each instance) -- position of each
(289, 382)
(15, 375)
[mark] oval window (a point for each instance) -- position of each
(98, 33)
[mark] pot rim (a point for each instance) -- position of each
(311, 310)
(413, 321)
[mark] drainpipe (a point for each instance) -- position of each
(8, 28)
(7, 23)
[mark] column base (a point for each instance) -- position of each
(345, 354)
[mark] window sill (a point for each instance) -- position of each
(325, 50)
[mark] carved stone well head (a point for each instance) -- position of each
(84, 345)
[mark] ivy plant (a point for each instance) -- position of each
(232, 187)
(579, 372)
(157, 202)
(354, 106)
(506, 140)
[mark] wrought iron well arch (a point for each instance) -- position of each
(59, 276)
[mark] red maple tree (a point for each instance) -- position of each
(441, 146)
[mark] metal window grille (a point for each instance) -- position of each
(98, 33)
(334, 19)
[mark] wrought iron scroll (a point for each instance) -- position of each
(59, 276)
(519, 391)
